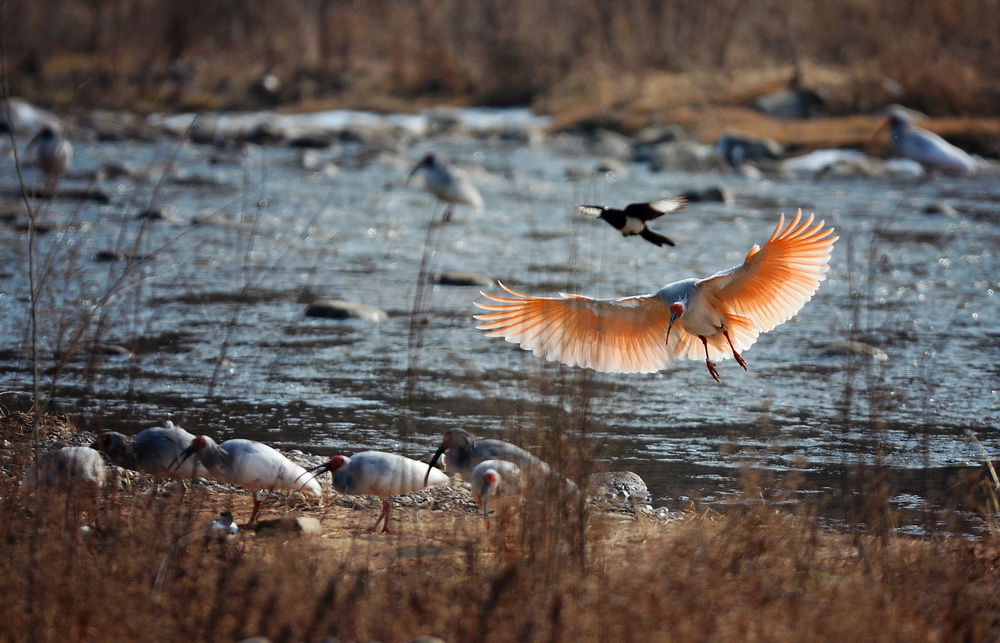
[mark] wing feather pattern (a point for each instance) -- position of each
(776, 280)
(615, 335)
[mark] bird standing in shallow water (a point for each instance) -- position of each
(251, 465)
(716, 317)
(926, 148)
(632, 220)
(448, 183)
(379, 474)
(53, 153)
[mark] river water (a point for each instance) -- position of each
(214, 314)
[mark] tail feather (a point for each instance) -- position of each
(655, 238)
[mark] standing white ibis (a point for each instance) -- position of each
(926, 148)
(249, 464)
(448, 183)
(717, 316)
(463, 451)
(67, 467)
(152, 451)
(497, 480)
(632, 220)
(53, 153)
(378, 474)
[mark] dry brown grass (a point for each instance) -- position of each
(580, 57)
(141, 571)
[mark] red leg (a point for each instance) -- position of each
(739, 359)
(711, 365)
(256, 508)
(383, 515)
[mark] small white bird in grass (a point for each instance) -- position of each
(632, 220)
(448, 183)
(926, 148)
(152, 451)
(496, 480)
(67, 467)
(463, 451)
(374, 473)
(714, 317)
(53, 153)
(251, 465)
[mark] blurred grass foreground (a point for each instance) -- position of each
(573, 59)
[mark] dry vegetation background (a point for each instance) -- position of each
(125, 566)
(130, 566)
(575, 57)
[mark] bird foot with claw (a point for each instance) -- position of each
(714, 371)
(742, 362)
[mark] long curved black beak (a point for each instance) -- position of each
(416, 168)
(673, 318)
(486, 503)
(325, 466)
(434, 460)
(179, 460)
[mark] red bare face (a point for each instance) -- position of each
(198, 443)
(677, 309)
(336, 462)
(490, 478)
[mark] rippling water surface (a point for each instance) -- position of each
(214, 313)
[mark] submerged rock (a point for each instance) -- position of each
(463, 278)
(855, 348)
(711, 194)
(339, 309)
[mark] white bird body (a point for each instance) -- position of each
(153, 451)
(498, 481)
(68, 466)
(926, 148)
(53, 153)
(379, 474)
(249, 464)
(448, 183)
(464, 451)
(714, 317)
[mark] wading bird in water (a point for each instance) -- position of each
(379, 474)
(715, 317)
(448, 183)
(632, 220)
(926, 148)
(53, 154)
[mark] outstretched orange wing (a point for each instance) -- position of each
(617, 335)
(776, 281)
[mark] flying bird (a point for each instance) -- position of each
(378, 474)
(249, 464)
(632, 220)
(715, 317)
(448, 183)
